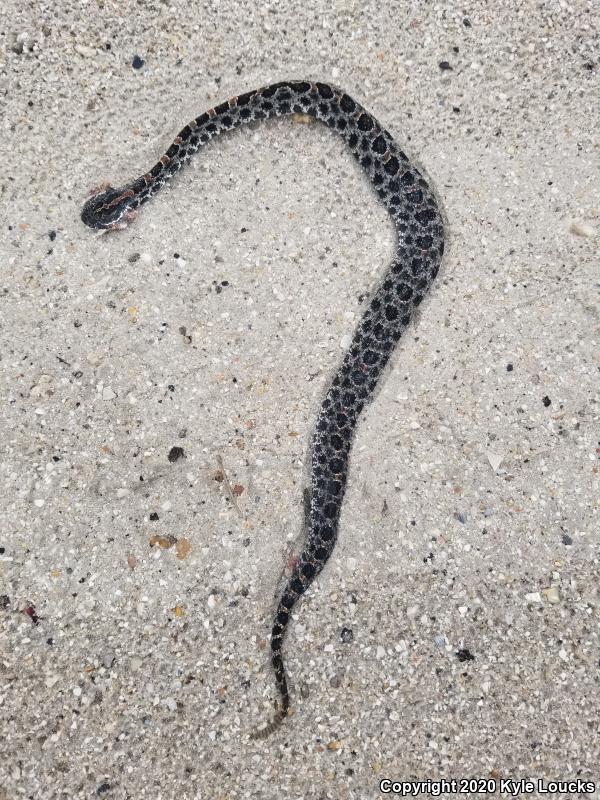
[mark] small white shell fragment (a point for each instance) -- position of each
(582, 229)
(552, 594)
(533, 597)
(495, 460)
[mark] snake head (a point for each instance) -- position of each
(108, 208)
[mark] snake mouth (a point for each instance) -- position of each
(106, 209)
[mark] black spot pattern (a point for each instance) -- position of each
(414, 211)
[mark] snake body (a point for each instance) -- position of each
(420, 244)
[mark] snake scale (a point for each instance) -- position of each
(420, 245)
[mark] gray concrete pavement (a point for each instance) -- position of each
(455, 631)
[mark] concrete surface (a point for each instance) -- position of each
(136, 596)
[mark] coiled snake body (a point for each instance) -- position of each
(414, 211)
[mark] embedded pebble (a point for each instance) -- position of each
(183, 548)
(85, 51)
(533, 597)
(336, 681)
(108, 659)
(552, 594)
(171, 703)
(94, 358)
(346, 635)
(582, 229)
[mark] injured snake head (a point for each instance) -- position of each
(108, 208)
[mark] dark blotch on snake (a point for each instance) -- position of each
(347, 104)
(392, 165)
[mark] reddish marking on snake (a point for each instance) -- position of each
(117, 200)
(32, 614)
(102, 187)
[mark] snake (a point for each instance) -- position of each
(418, 222)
